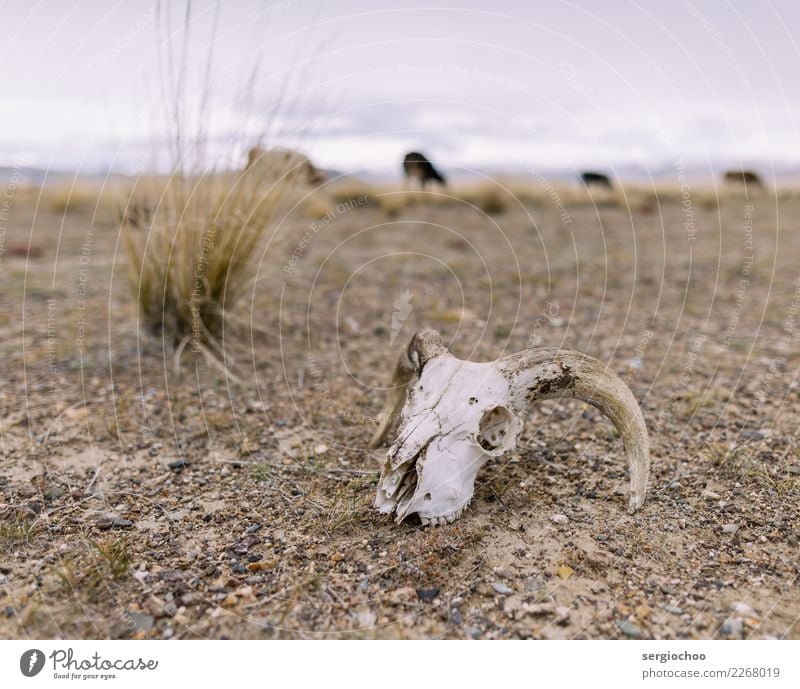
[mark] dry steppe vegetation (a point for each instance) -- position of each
(151, 491)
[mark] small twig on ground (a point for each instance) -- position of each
(92, 480)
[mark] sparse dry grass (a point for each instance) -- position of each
(281, 539)
(318, 207)
(347, 191)
(89, 573)
(347, 506)
(490, 199)
(77, 197)
(745, 462)
(14, 533)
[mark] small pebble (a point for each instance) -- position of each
(730, 528)
(502, 589)
(54, 493)
(565, 571)
(630, 630)
(142, 621)
(366, 619)
(538, 608)
(562, 615)
(559, 519)
(178, 465)
(733, 626)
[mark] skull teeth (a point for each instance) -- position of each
(444, 519)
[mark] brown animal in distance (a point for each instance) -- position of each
(417, 166)
(283, 163)
(746, 177)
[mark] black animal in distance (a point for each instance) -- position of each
(745, 177)
(596, 179)
(417, 166)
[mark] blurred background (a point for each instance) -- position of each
(637, 87)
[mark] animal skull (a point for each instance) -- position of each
(456, 415)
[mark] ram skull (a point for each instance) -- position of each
(456, 415)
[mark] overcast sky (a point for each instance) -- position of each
(487, 85)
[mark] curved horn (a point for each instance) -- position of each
(423, 346)
(539, 374)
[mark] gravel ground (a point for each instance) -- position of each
(144, 497)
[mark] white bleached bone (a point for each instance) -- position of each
(456, 415)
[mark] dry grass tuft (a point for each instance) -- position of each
(90, 573)
(14, 533)
(194, 261)
(349, 505)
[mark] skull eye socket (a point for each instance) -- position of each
(497, 430)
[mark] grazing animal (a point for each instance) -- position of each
(283, 163)
(746, 177)
(417, 166)
(596, 179)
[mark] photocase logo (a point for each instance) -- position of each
(402, 310)
(31, 662)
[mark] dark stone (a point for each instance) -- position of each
(427, 595)
(170, 575)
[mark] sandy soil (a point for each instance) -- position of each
(145, 499)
